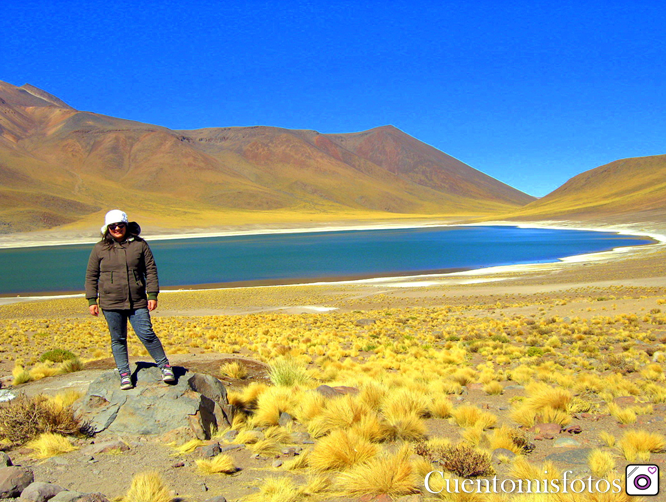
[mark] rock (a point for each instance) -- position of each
(514, 387)
(565, 442)
(365, 322)
(285, 419)
(576, 456)
(229, 436)
(625, 400)
(410, 498)
(301, 437)
(106, 447)
(327, 391)
(66, 496)
(550, 429)
(92, 497)
(573, 429)
(209, 450)
(197, 402)
(5, 461)
(219, 498)
(341, 389)
(502, 452)
(659, 357)
(474, 386)
(13, 480)
(277, 463)
(40, 492)
(232, 447)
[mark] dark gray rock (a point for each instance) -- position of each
(195, 401)
(40, 492)
(13, 480)
(574, 456)
(502, 452)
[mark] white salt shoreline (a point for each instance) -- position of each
(423, 280)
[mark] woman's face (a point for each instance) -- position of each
(117, 230)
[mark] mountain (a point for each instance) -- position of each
(60, 166)
(631, 189)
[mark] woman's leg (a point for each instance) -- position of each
(117, 321)
(140, 321)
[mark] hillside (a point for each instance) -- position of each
(64, 167)
(631, 189)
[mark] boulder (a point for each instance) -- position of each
(13, 480)
(66, 496)
(92, 497)
(40, 492)
(5, 461)
(195, 401)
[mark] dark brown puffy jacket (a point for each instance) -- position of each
(124, 276)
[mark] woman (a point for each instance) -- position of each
(122, 272)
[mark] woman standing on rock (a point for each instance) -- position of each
(122, 272)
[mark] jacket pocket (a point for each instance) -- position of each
(137, 278)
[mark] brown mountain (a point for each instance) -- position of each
(631, 189)
(61, 166)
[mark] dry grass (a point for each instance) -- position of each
(390, 474)
(219, 464)
(48, 445)
(601, 463)
(26, 418)
(341, 450)
(471, 416)
(638, 444)
(148, 487)
(233, 370)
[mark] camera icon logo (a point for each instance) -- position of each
(642, 480)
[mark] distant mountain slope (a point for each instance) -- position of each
(61, 166)
(624, 188)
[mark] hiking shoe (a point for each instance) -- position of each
(167, 374)
(125, 382)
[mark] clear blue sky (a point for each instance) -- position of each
(531, 93)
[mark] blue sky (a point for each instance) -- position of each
(531, 93)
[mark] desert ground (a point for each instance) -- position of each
(511, 371)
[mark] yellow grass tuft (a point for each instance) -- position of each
(276, 490)
(219, 464)
(148, 487)
(370, 427)
(188, 447)
(341, 450)
(66, 399)
(471, 416)
(288, 372)
(404, 425)
(638, 444)
(601, 463)
(493, 388)
(48, 445)
(440, 407)
(607, 438)
(340, 412)
(298, 462)
(390, 474)
(21, 375)
(233, 370)
(69, 366)
(622, 415)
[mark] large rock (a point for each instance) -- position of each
(13, 480)
(196, 401)
(40, 492)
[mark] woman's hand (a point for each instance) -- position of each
(94, 310)
(152, 305)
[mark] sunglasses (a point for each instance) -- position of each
(114, 226)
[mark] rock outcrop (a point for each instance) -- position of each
(196, 402)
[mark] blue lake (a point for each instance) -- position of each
(284, 258)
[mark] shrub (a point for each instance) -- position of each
(534, 352)
(49, 445)
(57, 356)
(26, 418)
(461, 460)
(288, 372)
(233, 370)
(218, 464)
(148, 487)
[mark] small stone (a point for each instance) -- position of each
(327, 391)
(502, 452)
(301, 437)
(5, 461)
(209, 450)
(576, 456)
(92, 497)
(277, 463)
(204, 488)
(285, 419)
(107, 446)
(410, 498)
(219, 498)
(573, 429)
(549, 429)
(40, 492)
(365, 322)
(565, 442)
(230, 436)
(178, 464)
(625, 400)
(475, 386)
(342, 389)
(66, 496)
(255, 456)
(514, 387)
(13, 480)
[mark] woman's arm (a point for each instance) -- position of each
(92, 281)
(152, 282)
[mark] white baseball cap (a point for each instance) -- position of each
(114, 216)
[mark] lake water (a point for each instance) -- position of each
(284, 258)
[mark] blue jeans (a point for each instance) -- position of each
(140, 321)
